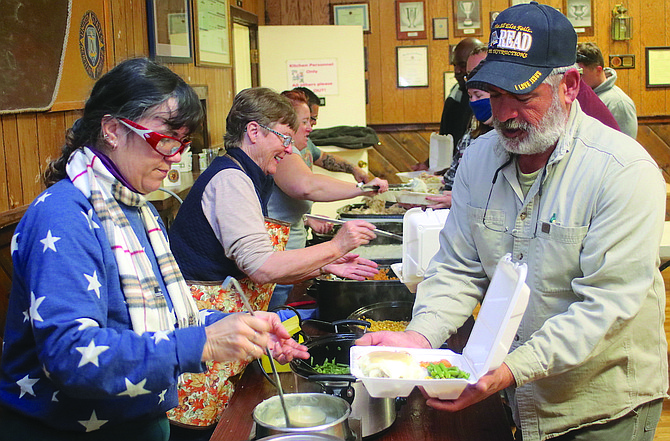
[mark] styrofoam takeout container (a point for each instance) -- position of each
(412, 197)
(420, 232)
(497, 322)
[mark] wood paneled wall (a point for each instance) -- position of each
(28, 141)
(390, 105)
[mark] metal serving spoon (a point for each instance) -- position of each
(243, 296)
(341, 222)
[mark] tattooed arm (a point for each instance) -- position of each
(336, 164)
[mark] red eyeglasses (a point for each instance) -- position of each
(167, 146)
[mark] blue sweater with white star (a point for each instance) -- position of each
(70, 357)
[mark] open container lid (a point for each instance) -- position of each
(499, 317)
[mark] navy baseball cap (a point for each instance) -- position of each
(527, 42)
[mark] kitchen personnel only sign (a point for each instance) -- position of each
(320, 76)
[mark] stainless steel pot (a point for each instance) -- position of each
(330, 415)
(301, 437)
(374, 414)
(337, 299)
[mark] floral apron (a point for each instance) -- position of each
(203, 397)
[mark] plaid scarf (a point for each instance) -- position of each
(147, 305)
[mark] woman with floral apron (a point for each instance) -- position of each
(221, 231)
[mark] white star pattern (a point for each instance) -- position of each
(53, 397)
(49, 242)
(46, 372)
(89, 354)
(15, 243)
(26, 315)
(93, 284)
(93, 423)
(89, 218)
(161, 396)
(34, 304)
(87, 323)
(42, 198)
(204, 313)
(26, 384)
(133, 390)
(160, 335)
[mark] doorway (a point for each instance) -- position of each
(245, 49)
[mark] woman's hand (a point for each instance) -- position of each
(420, 166)
(242, 336)
(353, 267)
(319, 226)
(236, 337)
(353, 234)
(283, 347)
(381, 183)
(441, 201)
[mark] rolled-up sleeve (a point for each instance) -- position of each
(231, 206)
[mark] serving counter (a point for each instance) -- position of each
(484, 421)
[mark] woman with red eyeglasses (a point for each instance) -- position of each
(100, 322)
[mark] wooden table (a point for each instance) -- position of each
(485, 421)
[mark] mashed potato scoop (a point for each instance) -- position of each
(391, 364)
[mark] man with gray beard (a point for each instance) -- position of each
(582, 205)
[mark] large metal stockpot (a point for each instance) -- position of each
(375, 414)
(334, 412)
(301, 437)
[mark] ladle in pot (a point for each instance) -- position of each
(243, 296)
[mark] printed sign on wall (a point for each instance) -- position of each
(318, 75)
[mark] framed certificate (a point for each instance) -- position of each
(169, 26)
(211, 21)
(440, 28)
(658, 66)
(412, 65)
(449, 82)
(352, 14)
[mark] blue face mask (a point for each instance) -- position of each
(482, 109)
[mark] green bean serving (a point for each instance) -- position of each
(331, 367)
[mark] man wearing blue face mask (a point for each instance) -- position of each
(479, 124)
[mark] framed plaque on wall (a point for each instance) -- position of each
(169, 26)
(410, 20)
(211, 24)
(467, 18)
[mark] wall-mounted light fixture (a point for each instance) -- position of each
(622, 24)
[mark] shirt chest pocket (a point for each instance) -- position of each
(490, 240)
(556, 253)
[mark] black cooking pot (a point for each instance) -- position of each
(397, 310)
(375, 414)
(336, 299)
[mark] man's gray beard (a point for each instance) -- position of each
(540, 138)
